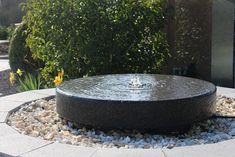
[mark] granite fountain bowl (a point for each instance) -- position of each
(144, 102)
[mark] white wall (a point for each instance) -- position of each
(222, 42)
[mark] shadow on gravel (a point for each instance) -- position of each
(5, 155)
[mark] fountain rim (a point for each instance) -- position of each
(150, 100)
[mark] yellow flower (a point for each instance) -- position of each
(61, 73)
(58, 80)
(11, 78)
(19, 72)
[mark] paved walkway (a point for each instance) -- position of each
(14, 144)
(4, 64)
(4, 41)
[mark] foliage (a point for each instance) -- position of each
(93, 37)
(20, 55)
(25, 81)
(29, 82)
(3, 33)
(6, 32)
(10, 31)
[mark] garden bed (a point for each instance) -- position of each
(39, 119)
(5, 87)
(4, 48)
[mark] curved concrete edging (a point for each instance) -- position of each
(16, 144)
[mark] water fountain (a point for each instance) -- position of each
(159, 103)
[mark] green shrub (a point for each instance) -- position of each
(3, 33)
(10, 30)
(20, 56)
(92, 37)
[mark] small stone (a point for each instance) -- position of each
(49, 136)
(65, 133)
(127, 140)
(170, 146)
(70, 124)
(225, 136)
(232, 125)
(147, 146)
(232, 132)
(139, 135)
(216, 138)
(20, 125)
(119, 144)
(55, 128)
(189, 142)
(78, 138)
(228, 100)
(109, 138)
(35, 133)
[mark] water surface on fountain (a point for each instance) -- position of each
(144, 87)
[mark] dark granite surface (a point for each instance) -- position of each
(155, 87)
(162, 103)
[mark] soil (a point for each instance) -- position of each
(5, 87)
(4, 49)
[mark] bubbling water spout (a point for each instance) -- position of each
(135, 83)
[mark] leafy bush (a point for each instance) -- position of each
(10, 31)
(92, 37)
(20, 55)
(3, 33)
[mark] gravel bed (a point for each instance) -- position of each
(225, 107)
(39, 119)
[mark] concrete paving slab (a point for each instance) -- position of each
(61, 150)
(46, 92)
(222, 149)
(9, 106)
(4, 64)
(17, 144)
(229, 92)
(4, 41)
(23, 97)
(6, 130)
(3, 117)
(129, 153)
(4, 57)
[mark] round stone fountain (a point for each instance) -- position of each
(159, 103)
